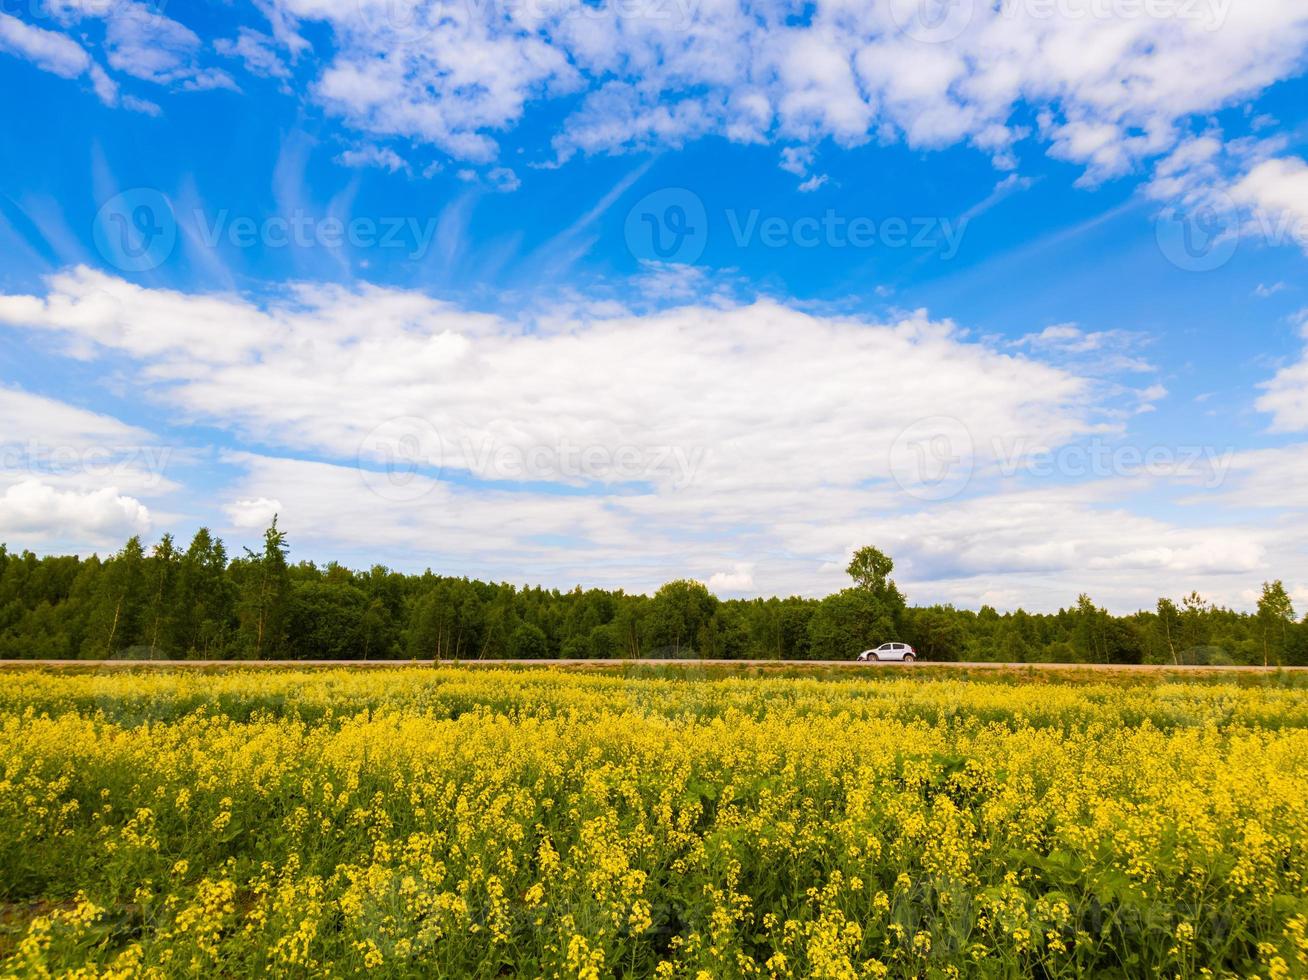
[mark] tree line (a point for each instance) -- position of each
(201, 603)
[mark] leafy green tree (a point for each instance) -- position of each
(1169, 624)
(1195, 625)
(265, 589)
(528, 642)
(847, 623)
(161, 570)
(119, 604)
(678, 615)
(324, 620)
(870, 569)
(936, 633)
(447, 622)
(204, 603)
(1275, 617)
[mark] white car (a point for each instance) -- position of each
(890, 651)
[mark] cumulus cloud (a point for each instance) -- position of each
(48, 50)
(1277, 191)
(614, 448)
(1110, 87)
(382, 157)
(258, 51)
(138, 41)
(1285, 395)
(1246, 189)
(77, 480)
(32, 510)
(257, 513)
(739, 579)
(323, 366)
(56, 53)
(149, 46)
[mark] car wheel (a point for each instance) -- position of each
(909, 658)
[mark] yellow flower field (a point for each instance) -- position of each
(457, 822)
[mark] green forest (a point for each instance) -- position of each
(199, 602)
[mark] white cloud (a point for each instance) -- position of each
(1277, 190)
(149, 46)
(382, 157)
(34, 416)
(1111, 86)
(257, 513)
(426, 434)
(48, 50)
(257, 51)
(1095, 352)
(75, 450)
(56, 53)
(76, 480)
(138, 41)
(1285, 395)
(739, 579)
(323, 366)
(33, 511)
(503, 179)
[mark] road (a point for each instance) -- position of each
(848, 664)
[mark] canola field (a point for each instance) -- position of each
(419, 822)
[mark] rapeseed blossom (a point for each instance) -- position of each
(414, 823)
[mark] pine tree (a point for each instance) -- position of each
(264, 594)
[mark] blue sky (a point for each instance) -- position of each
(612, 294)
